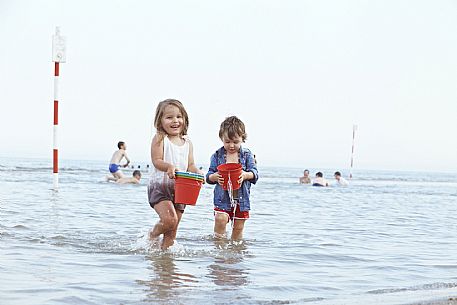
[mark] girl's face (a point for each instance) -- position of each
(172, 120)
(232, 145)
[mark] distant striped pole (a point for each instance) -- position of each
(55, 147)
(354, 128)
(58, 56)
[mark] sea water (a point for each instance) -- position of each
(388, 238)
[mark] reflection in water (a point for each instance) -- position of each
(166, 283)
(54, 215)
(228, 269)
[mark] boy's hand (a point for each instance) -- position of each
(244, 176)
(216, 178)
(171, 172)
(241, 178)
(220, 179)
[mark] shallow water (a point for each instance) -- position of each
(388, 238)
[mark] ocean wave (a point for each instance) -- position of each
(433, 286)
(49, 169)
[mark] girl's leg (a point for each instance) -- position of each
(170, 236)
(237, 231)
(168, 219)
(220, 222)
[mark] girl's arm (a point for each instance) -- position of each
(157, 157)
(192, 167)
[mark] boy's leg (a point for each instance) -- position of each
(170, 236)
(118, 175)
(168, 219)
(237, 231)
(220, 222)
(110, 178)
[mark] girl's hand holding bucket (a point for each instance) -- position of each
(201, 173)
(187, 187)
(171, 171)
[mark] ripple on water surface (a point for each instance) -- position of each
(386, 239)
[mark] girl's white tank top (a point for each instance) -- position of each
(173, 154)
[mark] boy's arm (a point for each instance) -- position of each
(157, 157)
(251, 167)
(127, 159)
(212, 169)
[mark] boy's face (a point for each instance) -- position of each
(123, 146)
(172, 120)
(232, 145)
(137, 177)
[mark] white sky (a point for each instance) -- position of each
(298, 73)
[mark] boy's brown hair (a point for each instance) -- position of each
(232, 126)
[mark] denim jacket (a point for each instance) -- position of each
(221, 197)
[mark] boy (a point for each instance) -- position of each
(135, 179)
(232, 134)
(116, 160)
(340, 180)
(319, 180)
(305, 179)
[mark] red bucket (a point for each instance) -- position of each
(230, 171)
(187, 190)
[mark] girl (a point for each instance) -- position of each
(232, 133)
(170, 151)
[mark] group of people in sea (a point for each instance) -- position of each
(172, 151)
(115, 164)
(319, 179)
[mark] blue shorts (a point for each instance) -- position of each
(113, 168)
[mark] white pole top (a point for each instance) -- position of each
(59, 47)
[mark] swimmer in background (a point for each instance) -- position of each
(305, 179)
(135, 179)
(319, 180)
(340, 180)
(116, 161)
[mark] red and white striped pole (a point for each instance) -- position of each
(55, 147)
(58, 56)
(354, 128)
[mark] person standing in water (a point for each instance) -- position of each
(340, 180)
(232, 134)
(305, 179)
(171, 151)
(319, 180)
(116, 161)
